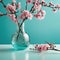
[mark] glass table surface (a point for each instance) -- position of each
(8, 53)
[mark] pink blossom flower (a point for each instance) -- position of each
(12, 16)
(37, 5)
(11, 8)
(44, 3)
(45, 47)
(43, 12)
(40, 15)
(41, 48)
(26, 14)
(29, 1)
(58, 6)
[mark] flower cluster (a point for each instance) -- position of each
(26, 14)
(41, 48)
(40, 15)
(13, 8)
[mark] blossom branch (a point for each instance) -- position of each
(50, 5)
(25, 14)
(3, 14)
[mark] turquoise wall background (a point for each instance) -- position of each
(39, 31)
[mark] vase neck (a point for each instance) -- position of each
(22, 28)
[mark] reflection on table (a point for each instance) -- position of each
(8, 53)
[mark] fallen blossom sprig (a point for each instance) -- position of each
(44, 47)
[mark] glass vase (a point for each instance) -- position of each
(20, 40)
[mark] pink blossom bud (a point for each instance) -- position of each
(58, 6)
(51, 4)
(14, 1)
(44, 3)
(54, 10)
(19, 5)
(29, 1)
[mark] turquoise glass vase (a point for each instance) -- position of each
(20, 40)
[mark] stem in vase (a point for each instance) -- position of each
(19, 30)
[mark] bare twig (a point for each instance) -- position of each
(54, 49)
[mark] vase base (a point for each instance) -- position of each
(19, 47)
